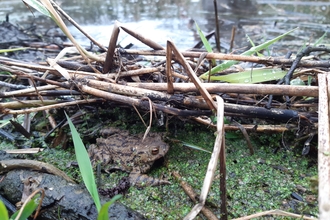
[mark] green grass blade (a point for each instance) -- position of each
(104, 213)
(195, 147)
(204, 40)
(30, 207)
(250, 40)
(252, 50)
(206, 43)
(320, 39)
(248, 77)
(85, 165)
(3, 211)
(38, 6)
(13, 49)
(253, 45)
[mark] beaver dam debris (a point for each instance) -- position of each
(274, 94)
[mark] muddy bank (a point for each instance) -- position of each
(63, 200)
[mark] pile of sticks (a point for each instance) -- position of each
(171, 84)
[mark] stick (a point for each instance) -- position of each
(311, 91)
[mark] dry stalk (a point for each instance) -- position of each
(275, 212)
(169, 71)
(8, 165)
(260, 128)
(218, 146)
(220, 56)
(193, 196)
(26, 91)
(24, 151)
(324, 147)
(246, 136)
(27, 104)
(48, 107)
(150, 118)
(127, 90)
(111, 49)
(136, 72)
(77, 25)
(113, 43)
(192, 76)
(262, 89)
(139, 103)
(28, 199)
(143, 39)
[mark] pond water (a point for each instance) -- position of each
(173, 19)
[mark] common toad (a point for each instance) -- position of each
(117, 149)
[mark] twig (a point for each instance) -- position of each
(208, 99)
(150, 118)
(7, 165)
(77, 25)
(26, 90)
(60, 105)
(140, 103)
(193, 196)
(246, 136)
(310, 91)
(217, 28)
(218, 145)
(221, 56)
(275, 212)
(28, 199)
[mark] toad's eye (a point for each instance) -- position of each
(155, 151)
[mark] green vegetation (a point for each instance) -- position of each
(251, 51)
(22, 214)
(87, 174)
(85, 165)
(255, 183)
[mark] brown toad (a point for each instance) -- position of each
(117, 149)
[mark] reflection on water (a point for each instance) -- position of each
(161, 20)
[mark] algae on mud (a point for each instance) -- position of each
(254, 183)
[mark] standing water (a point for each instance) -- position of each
(173, 19)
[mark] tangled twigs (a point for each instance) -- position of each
(144, 105)
(300, 55)
(206, 95)
(286, 79)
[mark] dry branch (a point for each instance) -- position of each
(207, 97)
(262, 89)
(275, 212)
(220, 56)
(7, 165)
(193, 196)
(143, 104)
(219, 149)
(43, 108)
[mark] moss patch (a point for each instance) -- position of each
(263, 181)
